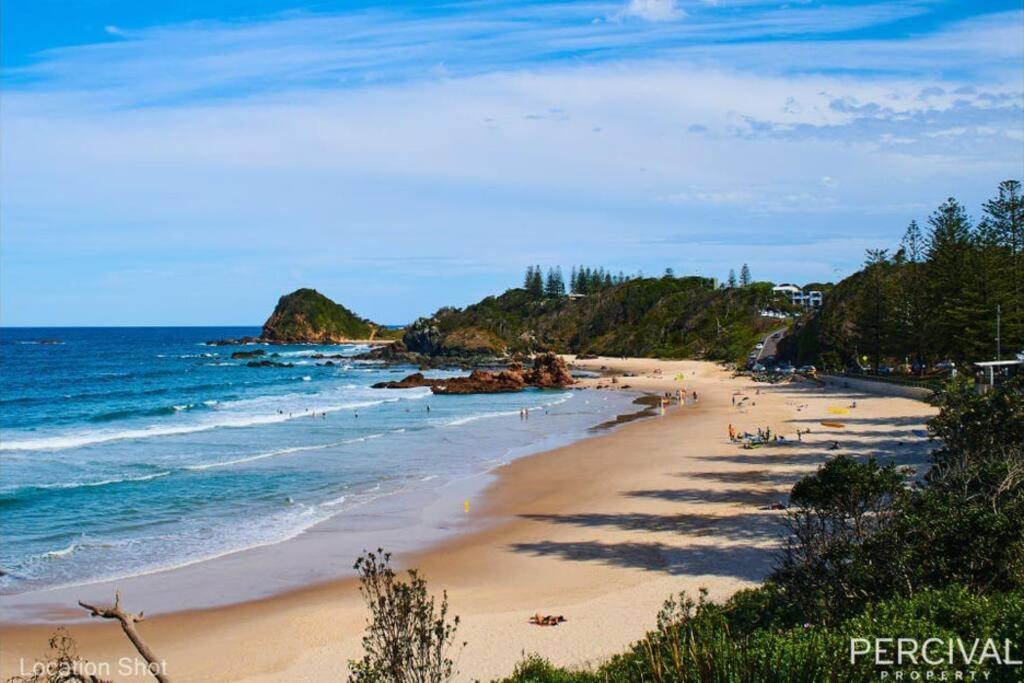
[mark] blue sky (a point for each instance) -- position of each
(188, 162)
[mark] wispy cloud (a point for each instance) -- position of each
(440, 151)
(651, 10)
(216, 60)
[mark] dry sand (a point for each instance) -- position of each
(601, 532)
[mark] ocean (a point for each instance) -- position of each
(125, 451)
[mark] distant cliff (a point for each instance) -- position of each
(306, 315)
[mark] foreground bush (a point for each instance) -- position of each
(695, 642)
(408, 638)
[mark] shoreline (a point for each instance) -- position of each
(405, 520)
(601, 530)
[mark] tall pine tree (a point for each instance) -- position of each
(1001, 236)
(949, 278)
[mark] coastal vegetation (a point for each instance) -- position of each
(666, 317)
(409, 636)
(950, 291)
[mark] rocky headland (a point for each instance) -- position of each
(308, 317)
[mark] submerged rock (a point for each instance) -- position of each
(249, 354)
(414, 380)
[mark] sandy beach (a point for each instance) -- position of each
(601, 531)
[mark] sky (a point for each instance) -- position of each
(186, 163)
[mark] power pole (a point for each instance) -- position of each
(999, 341)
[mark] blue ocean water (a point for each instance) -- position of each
(129, 450)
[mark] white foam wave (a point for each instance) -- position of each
(503, 413)
(89, 484)
(223, 420)
(63, 552)
(478, 416)
(281, 451)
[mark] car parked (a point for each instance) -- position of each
(758, 368)
(945, 365)
(807, 369)
(885, 370)
(759, 345)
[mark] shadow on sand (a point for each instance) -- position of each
(740, 561)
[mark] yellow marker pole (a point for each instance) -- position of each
(465, 506)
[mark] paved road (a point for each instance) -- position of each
(771, 346)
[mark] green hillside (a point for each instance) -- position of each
(665, 317)
(306, 315)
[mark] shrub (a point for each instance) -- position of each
(62, 666)
(408, 638)
(693, 643)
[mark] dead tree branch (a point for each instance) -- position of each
(128, 621)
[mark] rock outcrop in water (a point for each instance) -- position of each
(248, 354)
(307, 316)
(549, 371)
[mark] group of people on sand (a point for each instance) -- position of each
(524, 413)
(763, 436)
(677, 396)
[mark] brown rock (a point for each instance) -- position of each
(549, 371)
(414, 380)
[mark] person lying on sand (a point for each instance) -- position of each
(549, 620)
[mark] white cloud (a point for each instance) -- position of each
(653, 10)
(112, 30)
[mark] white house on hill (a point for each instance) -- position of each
(797, 296)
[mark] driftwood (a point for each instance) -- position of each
(128, 621)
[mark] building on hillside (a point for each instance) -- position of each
(799, 297)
